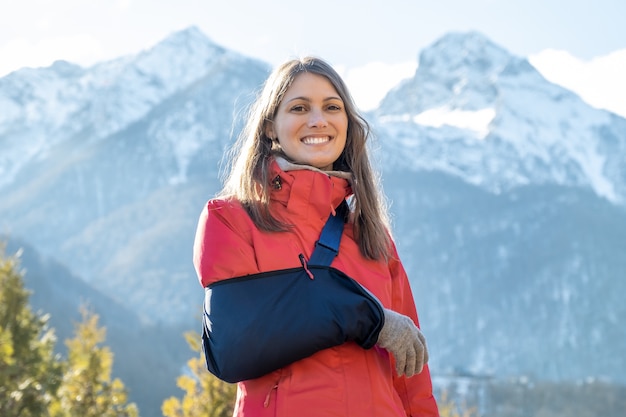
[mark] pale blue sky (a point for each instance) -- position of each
(349, 33)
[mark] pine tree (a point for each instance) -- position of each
(30, 373)
(205, 395)
(87, 389)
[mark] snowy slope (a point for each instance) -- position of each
(41, 108)
(114, 190)
(477, 112)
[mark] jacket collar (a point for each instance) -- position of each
(285, 165)
(307, 191)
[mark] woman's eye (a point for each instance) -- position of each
(334, 107)
(298, 109)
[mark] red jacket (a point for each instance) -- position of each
(346, 380)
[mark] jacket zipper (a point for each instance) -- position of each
(305, 266)
(266, 403)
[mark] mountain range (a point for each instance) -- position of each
(507, 192)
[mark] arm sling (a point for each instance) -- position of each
(258, 323)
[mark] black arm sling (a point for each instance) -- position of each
(258, 323)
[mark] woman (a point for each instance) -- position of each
(302, 153)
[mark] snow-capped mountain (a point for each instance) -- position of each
(477, 112)
(42, 108)
(101, 173)
(507, 192)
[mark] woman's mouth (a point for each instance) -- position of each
(315, 140)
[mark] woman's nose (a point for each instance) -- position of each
(317, 119)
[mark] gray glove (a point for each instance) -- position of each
(401, 337)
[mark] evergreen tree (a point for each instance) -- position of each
(87, 389)
(205, 395)
(30, 372)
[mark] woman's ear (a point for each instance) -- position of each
(269, 130)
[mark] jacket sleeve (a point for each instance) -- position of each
(223, 246)
(416, 392)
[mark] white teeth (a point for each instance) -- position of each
(315, 140)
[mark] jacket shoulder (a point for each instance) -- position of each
(224, 204)
(229, 212)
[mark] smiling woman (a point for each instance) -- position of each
(301, 168)
(311, 124)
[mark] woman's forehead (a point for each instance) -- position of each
(309, 85)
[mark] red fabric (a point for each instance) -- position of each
(342, 381)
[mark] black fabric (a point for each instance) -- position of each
(256, 324)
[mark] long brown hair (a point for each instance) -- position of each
(248, 180)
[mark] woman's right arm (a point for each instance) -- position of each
(223, 246)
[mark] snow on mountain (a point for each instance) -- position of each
(475, 111)
(34, 107)
(40, 108)
(125, 169)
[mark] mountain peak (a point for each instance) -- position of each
(469, 93)
(463, 48)
(189, 35)
(186, 43)
(458, 71)
(66, 68)
(464, 55)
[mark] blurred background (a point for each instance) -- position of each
(499, 129)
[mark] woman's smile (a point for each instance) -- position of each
(311, 123)
(315, 140)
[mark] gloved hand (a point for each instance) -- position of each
(401, 337)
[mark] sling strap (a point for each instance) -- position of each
(256, 324)
(327, 247)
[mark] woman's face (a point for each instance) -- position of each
(311, 123)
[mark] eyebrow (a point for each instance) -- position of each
(308, 99)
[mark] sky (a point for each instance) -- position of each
(373, 44)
